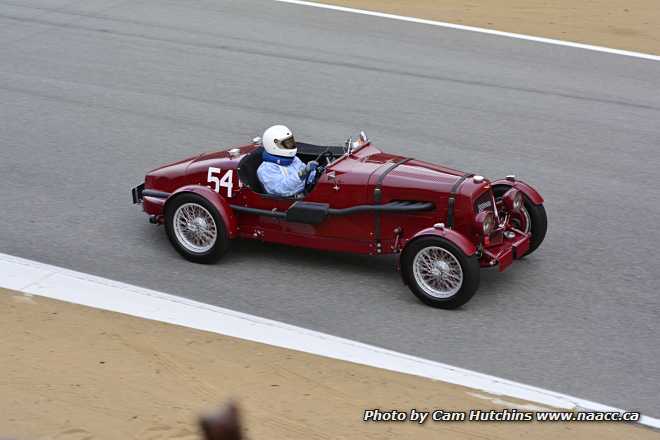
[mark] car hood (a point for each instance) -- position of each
(419, 174)
(410, 173)
(403, 178)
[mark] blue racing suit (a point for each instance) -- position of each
(279, 175)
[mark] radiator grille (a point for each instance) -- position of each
(484, 203)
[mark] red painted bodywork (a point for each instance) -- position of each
(526, 189)
(356, 177)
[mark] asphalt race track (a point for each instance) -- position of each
(95, 93)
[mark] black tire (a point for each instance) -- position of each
(537, 215)
(221, 244)
(469, 267)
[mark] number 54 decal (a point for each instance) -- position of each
(225, 181)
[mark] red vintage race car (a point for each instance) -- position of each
(444, 224)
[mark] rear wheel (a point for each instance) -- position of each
(439, 273)
(195, 228)
(531, 218)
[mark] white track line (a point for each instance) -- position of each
(609, 50)
(79, 288)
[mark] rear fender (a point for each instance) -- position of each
(219, 202)
(526, 189)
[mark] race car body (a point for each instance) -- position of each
(444, 223)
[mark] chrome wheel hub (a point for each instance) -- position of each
(195, 228)
(198, 225)
(440, 269)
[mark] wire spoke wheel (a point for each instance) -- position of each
(437, 272)
(522, 221)
(195, 228)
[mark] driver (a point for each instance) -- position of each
(282, 173)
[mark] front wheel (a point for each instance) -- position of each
(439, 273)
(195, 229)
(531, 218)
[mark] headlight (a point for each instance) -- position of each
(485, 220)
(513, 200)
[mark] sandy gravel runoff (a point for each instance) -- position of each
(71, 372)
(620, 24)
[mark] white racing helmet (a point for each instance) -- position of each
(278, 140)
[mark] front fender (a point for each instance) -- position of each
(460, 240)
(526, 189)
(219, 202)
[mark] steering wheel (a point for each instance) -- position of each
(327, 154)
(313, 177)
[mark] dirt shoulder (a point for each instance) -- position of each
(618, 24)
(71, 372)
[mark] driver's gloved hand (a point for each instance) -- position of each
(311, 166)
(311, 177)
